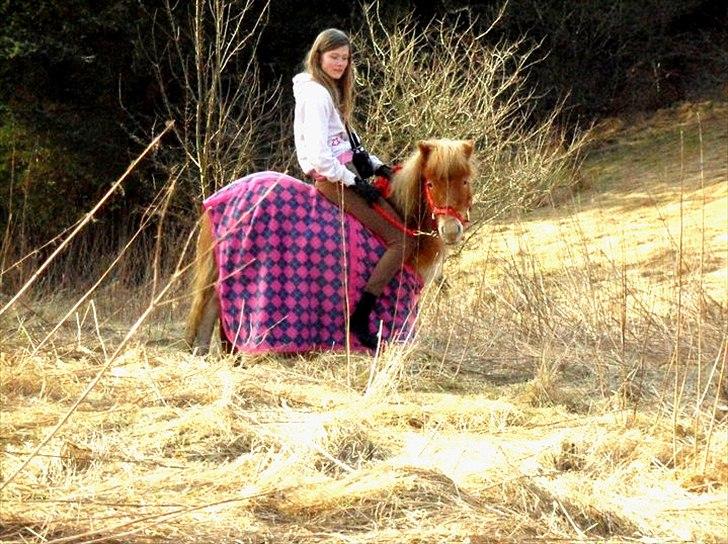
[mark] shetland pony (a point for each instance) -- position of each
(269, 248)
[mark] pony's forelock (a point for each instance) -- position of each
(448, 160)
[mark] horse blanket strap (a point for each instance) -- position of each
(287, 263)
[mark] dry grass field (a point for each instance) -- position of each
(565, 385)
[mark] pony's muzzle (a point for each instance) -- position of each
(449, 229)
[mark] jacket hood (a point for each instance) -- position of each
(302, 80)
(305, 83)
(303, 77)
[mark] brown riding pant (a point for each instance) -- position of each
(399, 245)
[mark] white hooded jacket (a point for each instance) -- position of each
(319, 132)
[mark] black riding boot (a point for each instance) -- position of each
(359, 320)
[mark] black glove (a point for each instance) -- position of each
(363, 164)
(384, 171)
(365, 190)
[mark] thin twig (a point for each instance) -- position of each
(88, 217)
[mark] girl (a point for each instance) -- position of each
(324, 96)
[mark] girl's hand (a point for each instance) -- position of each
(384, 171)
(365, 190)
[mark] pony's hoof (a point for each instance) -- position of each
(200, 351)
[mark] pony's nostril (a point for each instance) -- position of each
(458, 233)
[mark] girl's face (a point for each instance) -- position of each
(335, 61)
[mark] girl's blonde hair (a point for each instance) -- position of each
(341, 90)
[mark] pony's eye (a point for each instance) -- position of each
(465, 182)
(430, 184)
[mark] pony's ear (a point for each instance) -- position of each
(425, 147)
(468, 146)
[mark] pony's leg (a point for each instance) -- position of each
(436, 271)
(204, 308)
(429, 259)
(203, 336)
(226, 346)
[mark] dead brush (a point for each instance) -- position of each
(565, 512)
(469, 413)
(447, 78)
(373, 496)
(349, 447)
(554, 392)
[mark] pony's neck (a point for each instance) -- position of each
(407, 195)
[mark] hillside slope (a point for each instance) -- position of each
(564, 387)
(656, 194)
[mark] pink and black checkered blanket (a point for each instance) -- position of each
(287, 261)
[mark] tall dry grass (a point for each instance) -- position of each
(560, 388)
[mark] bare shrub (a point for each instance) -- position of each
(203, 56)
(447, 80)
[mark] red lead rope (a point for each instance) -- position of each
(395, 223)
(384, 187)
